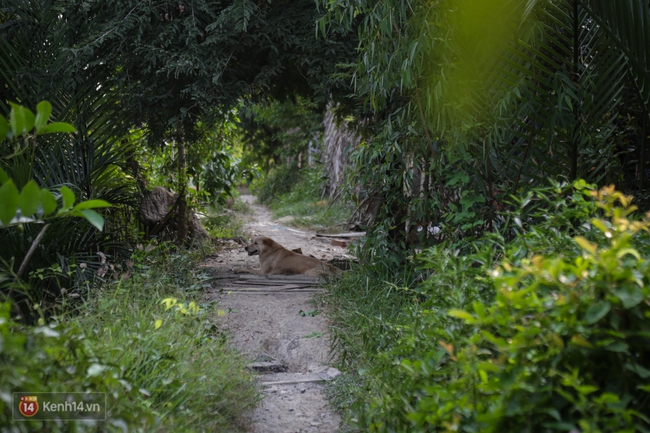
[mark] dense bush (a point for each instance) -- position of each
(555, 337)
(63, 358)
(146, 342)
(299, 193)
(278, 181)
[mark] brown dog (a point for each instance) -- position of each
(275, 259)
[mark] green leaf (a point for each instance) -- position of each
(91, 204)
(56, 127)
(579, 340)
(30, 198)
(314, 335)
(636, 368)
(9, 201)
(585, 244)
(607, 398)
(21, 119)
(43, 112)
(586, 389)
(630, 251)
(3, 177)
(617, 346)
(94, 218)
(68, 199)
(48, 201)
(96, 369)
(4, 128)
(460, 314)
(630, 296)
(597, 312)
(479, 309)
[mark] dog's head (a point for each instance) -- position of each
(258, 246)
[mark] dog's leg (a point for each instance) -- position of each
(248, 271)
(313, 272)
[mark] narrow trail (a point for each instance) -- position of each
(274, 321)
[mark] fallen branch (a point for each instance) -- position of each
(31, 252)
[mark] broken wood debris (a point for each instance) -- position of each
(341, 235)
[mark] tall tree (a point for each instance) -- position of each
(167, 65)
(176, 64)
(479, 98)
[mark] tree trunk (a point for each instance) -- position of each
(642, 147)
(181, 233)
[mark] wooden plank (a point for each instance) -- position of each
(270, 289)
(261, 284)
(341, 235)
(276, 281)
(277, 277)
(292, 382)
(258, 292)
(267, 367)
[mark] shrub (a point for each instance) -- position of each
(146, 342)
(276, 182)
(555, 337)
(63, 358)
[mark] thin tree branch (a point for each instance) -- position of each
(30, 253)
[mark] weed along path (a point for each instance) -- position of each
(275, 322)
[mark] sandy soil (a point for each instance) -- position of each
(278, 326)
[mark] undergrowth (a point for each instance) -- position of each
(544, 327)
(224, 221)
(290, 191)
(147, 342)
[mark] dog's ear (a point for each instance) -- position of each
(267, 241)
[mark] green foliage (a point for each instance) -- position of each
(147, 342)
(501, 94)
(276, 133)
(553, 329)
(277, 182)
(178, 64)
(220, 176)
(225, 222)
(56, 358)
(33, 204)
(298, 193)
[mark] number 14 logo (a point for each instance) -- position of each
(28, 405)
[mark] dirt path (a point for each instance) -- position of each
(275, 322)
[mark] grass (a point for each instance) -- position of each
(224, 221)
(290, 191)
(363, 306)
(312, 214)
(155, 326)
